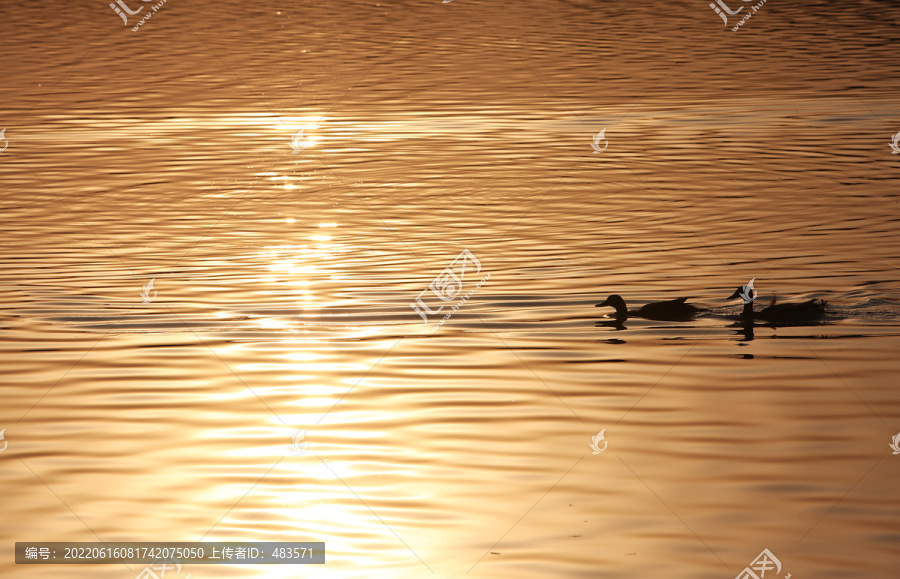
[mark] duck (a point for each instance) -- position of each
(785, 313)
(672, 310)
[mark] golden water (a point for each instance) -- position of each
(284, 281)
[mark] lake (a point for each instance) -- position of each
(376, 234)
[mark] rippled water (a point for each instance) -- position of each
(284, 280)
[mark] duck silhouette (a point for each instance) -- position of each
(672, 310)
(791, 313)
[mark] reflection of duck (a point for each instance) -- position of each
(672, 310)
(785, 313)
(618, 324)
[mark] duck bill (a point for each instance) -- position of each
(602, 304)
(736, 294)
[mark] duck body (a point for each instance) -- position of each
(672, 310)
(787, 313)
(791, 313)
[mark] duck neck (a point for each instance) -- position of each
(621, 312)
(747, 312)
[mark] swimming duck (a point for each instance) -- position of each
(787, 313)
(672, 310)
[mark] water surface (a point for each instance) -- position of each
(283, 282)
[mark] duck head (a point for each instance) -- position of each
(615, 301)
